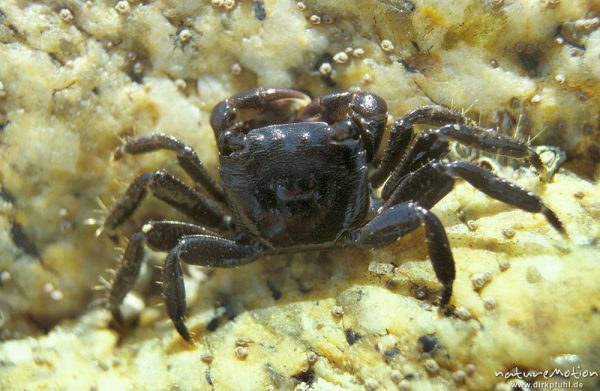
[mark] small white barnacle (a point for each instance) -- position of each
(463, 313)
(489, 303)
(235, 69)
(138, 68)
(358, 52)
(123, 7)
(432, 366)
(325, 68)
(241, 352)
(65, 15)
(229, 4)
(315, 19)
(366, 79)
(504, 266)
(340, 58)
(337, 311)
(387, 45)
(185, 35)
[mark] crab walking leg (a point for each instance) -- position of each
(399, 139)
(432, 144)
(503, 190)
(366, 112)
(171, 190)
(489, 140)
(126, 275)
(428, 146)
(427, 186)
(187, 157)
(160, 236)
(398, 221)
(432, 182)
(203, 250)
(403, 130)
(164, 235)
(433, 115)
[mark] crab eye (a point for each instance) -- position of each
(342, 130)
(370, 106)
(231, 142)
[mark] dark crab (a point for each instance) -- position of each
(303, 184)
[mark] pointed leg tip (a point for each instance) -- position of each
(563, 233)
(555, 222)
(537, 163)
(117, 317)
(561, 229)
(117, 154)
(183, 331)
(445, 297)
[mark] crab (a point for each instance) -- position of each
(299, 175)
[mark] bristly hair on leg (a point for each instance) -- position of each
(464, 113)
